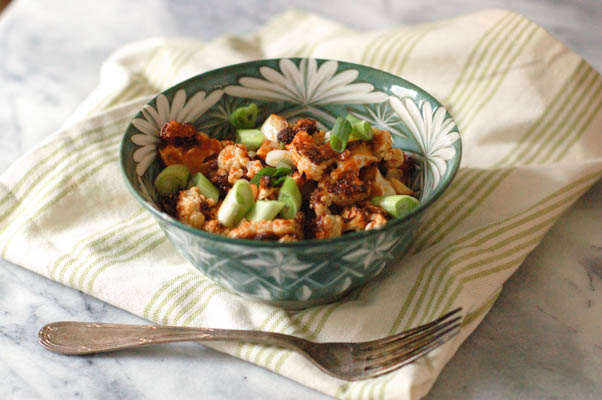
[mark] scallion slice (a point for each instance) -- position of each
(244, 117)
(398, 205)
(205, 186)
(280, 175)
(265, 210)
(171, 179)
(360, 129)
(291, 197)
(352, 119)
(285, 163)
(267, 171)
(252, 138)
(278, 181)
(277, 175)
(340, 134)
(275, 157)
(236, 204)
(280, 172)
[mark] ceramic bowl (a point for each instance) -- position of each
(304, 273)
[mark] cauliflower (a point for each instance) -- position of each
(311, 158)
(271, 230)
(191, 207)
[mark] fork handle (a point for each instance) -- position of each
(69, 337)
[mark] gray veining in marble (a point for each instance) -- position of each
(542, 339)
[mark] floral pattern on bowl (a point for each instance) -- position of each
(296, 274)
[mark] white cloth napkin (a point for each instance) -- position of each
(528, 110)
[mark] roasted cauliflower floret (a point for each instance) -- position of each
(265, 190)
(344, 187)
(213, 226)
(356, 156)
(354, 219)
(233, 156)
(192, 206)
(327, 226)
(181, 144)
(174, 130)
(266, 147)
(363, 216)
(311, 158)
(379, 186)
(376, 221)
(276, 229)
(307, 125)
(324, 224)
(378, 217)
(220, 180)
(381, 144)
(320, 202)
(253, 168)
(395, 160)
(272, 126)
(234, 159)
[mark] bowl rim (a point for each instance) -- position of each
(305, 242)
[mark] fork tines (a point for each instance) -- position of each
(387, 354)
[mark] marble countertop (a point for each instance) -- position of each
(542, 339)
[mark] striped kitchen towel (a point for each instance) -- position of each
(528, 110)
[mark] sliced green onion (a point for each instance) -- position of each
(171, 179)
(398, 205)
(280, 172)
(280, 175)
(285, 163)
(265, 210)
(360, 129)
(244, 117)
(267, 171)
(278, 181)
(276, 156)
(237, 204)
(352, 119)
(205, 186)
(340, 134)
(291, 197)
(252, 138)
(277, 175)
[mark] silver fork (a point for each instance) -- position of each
(348, 361)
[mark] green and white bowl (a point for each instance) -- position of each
(304, 273)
